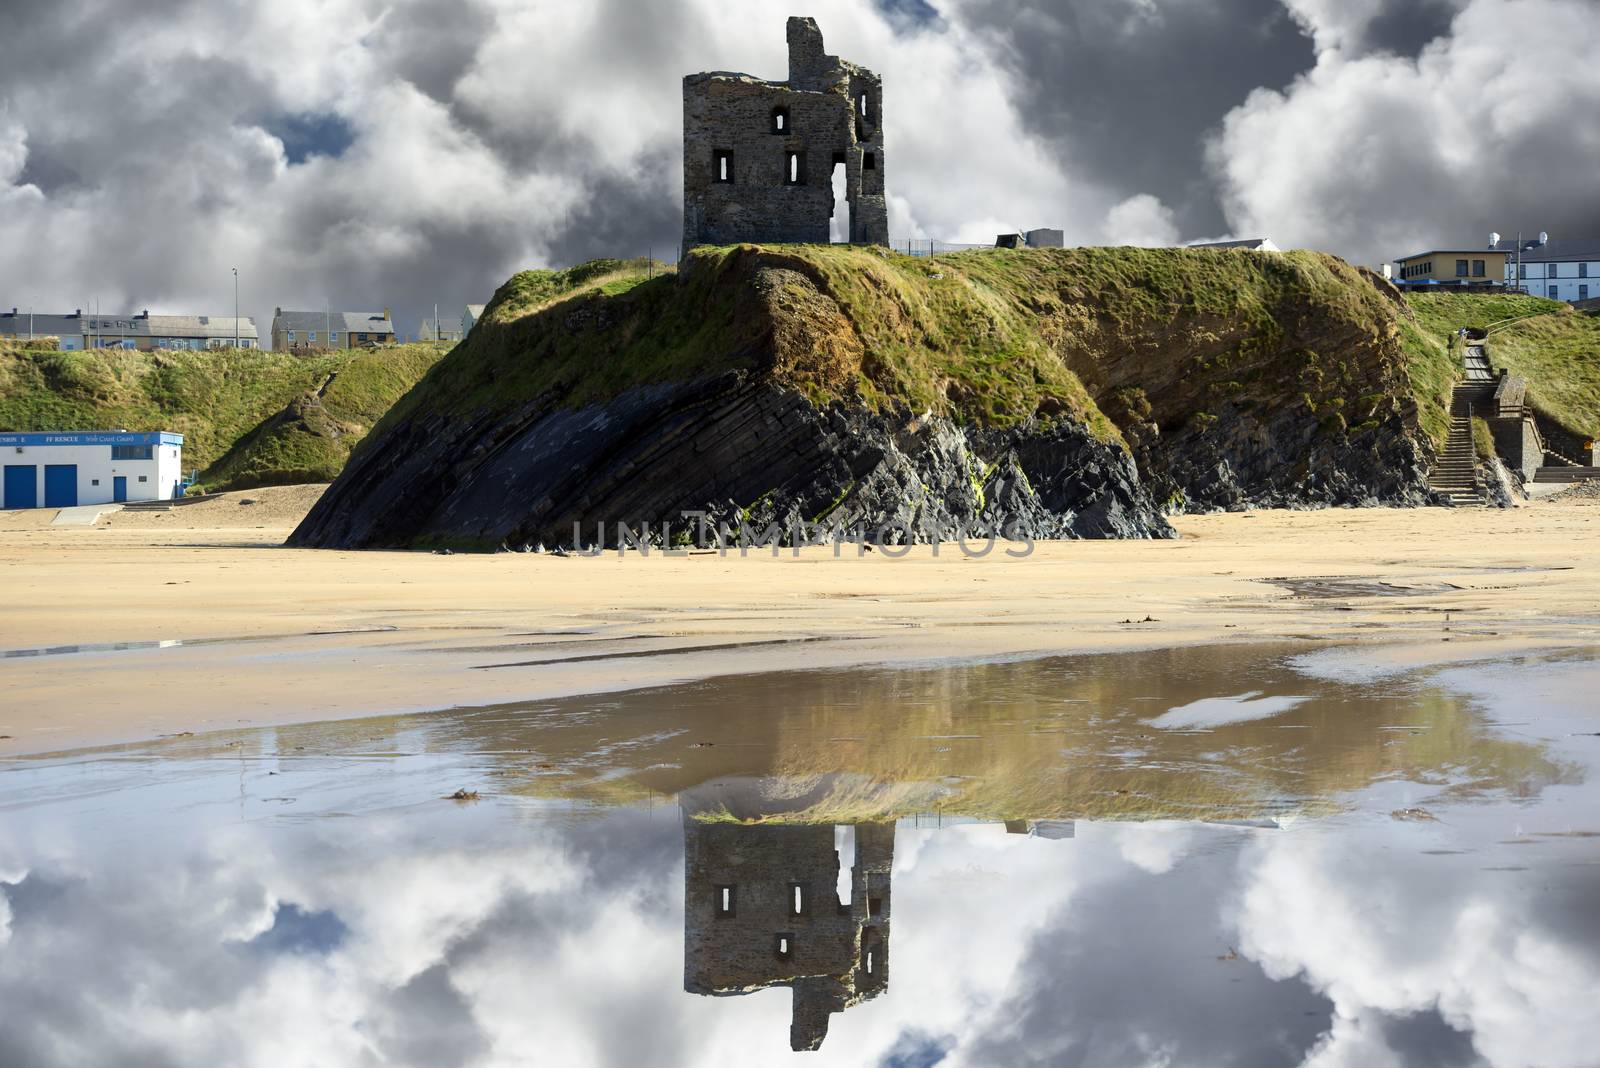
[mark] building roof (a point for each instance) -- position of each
(92, 437)
(342, 322)
(446, 326)
(1556, 250)
(40, 324)
(476, 310)
(1258, 244)
(1450, 252)
(199, 326)
(141, 325)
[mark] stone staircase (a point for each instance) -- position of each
(1454, 476)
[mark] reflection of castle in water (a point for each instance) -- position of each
(763, 908)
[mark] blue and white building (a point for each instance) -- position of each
(1562, 268)
(63, 469)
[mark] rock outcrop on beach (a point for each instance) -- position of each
(1040, 394)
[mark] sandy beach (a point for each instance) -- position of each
(155, 623)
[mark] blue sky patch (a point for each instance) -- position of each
(304, 136)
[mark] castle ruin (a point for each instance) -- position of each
(761, 908)
(759, 157)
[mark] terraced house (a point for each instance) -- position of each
(314, 330)
(143, 331)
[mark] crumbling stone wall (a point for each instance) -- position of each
(759, 156)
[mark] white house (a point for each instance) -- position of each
(1562, 269)
(470, 319)
(63, 469)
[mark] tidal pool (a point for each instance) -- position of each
(1248, 856)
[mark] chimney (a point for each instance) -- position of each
(386, 314)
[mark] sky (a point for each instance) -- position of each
(398, 153)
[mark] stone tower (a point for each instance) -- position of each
(761, 908)
(759, 156)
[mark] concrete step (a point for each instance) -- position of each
(1566, 474)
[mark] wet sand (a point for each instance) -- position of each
(271, 636)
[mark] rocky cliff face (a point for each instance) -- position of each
(737, 451)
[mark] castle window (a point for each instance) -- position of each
(722, 166)
(783, 946)
(869, 962)
(780, 120)
(727, 900)
(794, 168)
(869, 161)
(862, 105)
(797, 899)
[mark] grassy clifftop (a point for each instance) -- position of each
(992, 336)
(231, 407)
(1556, 348)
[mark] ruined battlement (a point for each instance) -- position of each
(759, 156)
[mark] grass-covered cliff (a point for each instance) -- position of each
(246, 417)
(989, 336)
(1555, 347)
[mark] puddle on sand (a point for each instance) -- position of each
(1399, 870)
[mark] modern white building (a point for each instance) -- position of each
(470, 319)
(63, 469)
(1562, 269)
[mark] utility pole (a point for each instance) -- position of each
(436, 320)
(236, 309)
(327, 320)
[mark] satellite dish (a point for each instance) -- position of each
(1544, 238)
(1494, 240)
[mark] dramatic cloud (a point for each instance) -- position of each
(1377, 155)
(404, 153)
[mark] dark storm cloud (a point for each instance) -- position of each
(1126, 92)
(1405, 29)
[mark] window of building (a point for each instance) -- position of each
(1522, 271)
(1583, 270)
(1480, 269)
(1553, 291)
(780, 120)
(1461, 268)
(133, 452)
(94, 482)
(869, 162)
(1583, 292)
(861, 105)
(794, 168)
(797, 899)
(333, 338)
(783, 946)
(727, 900)
(722, 166)
(144, 478)
(290, 336)
(311, 337)
(1552, 270)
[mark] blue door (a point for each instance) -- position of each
(22, 486)
(119, 489)
(61, 485)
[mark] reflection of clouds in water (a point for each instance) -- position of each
(544, 942)
(1220, 711)
(1389, 931)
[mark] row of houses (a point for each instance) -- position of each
(292, 331)
(1561, 269)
